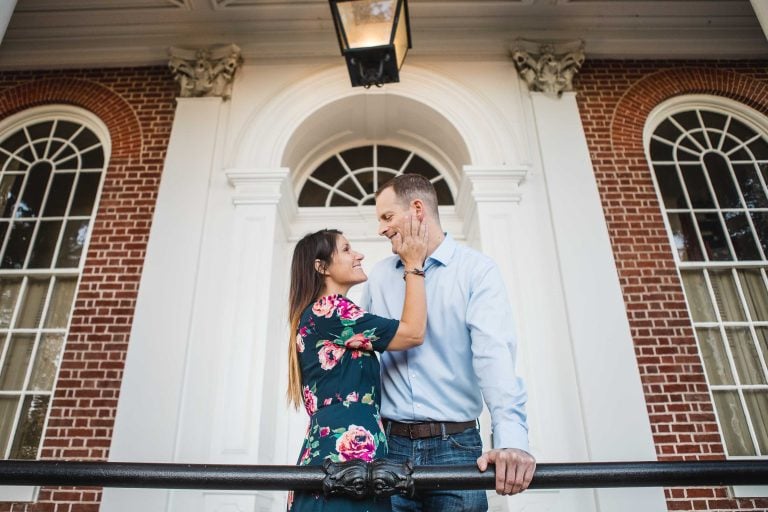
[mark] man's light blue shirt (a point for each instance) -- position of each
(469, 350)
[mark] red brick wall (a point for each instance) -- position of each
(137, 105)
(615, 98)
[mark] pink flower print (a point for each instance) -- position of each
(303, 331)
(348, 310)
(329, 355)
(299, 343)
(328, 401)
(356, 354)
(325, 431)
(310, 401)
(359, 341)
(324, 307)
(356, 444)
(352, 397)
(305, 457)
(290, 500)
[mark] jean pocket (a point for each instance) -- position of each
(468, 440)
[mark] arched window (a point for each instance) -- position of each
(352, 177)
(710, 164)
(52, 161)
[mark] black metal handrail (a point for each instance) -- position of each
(361, 479)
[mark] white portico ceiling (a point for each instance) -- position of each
(97, 33)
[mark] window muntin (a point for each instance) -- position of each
(352, 177)
(50, 174)
(710, 168)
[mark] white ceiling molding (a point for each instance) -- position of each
(97, 33)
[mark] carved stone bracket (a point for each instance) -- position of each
(358, 479)
(206, 71)
(548, 67)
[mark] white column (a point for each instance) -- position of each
(506, 216)
(761, 10)
(153, 387)
(614, 410)
(6, 10)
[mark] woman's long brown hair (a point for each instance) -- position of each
(306, 285)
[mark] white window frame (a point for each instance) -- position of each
(9, 125)
(760, 122)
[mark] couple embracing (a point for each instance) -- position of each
(438, 314)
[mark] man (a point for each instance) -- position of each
(432, 394)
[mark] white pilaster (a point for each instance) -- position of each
(761, 10)
(613, 406)
(154, 384)
(6, 10)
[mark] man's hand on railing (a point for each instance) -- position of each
(514, 469)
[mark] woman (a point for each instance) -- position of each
(333, 371)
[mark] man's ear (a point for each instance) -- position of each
(320, 267)
(418, 209)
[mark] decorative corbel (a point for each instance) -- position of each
(206, 71)
(548, 67)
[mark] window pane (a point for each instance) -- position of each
(312, 194)
(85, 193)
(693, 175)
(61, 303)
(16, 362)
(760, 219)
(47, 361)
(357, 158)
(684, 237)
(667, 130)
(735, 429)
(18, 244)
(9, 193)
(384, 176)
(754, 195)
(45, 244)
(350, 186)
(56, 205)
(762, 341)
(338, 200)
(671, 191)
(742, 239)
(9, 292)
(67, 159)
(740, 131)
(75, 234)
(722, 181)
(8, 405)
(698, 296)
(34, 190)
(30, 427)
(757, 404)
(688, 120)
(685, 155)
(418, 165)
(715, 358)
(726, 295)
(753, 286)
(713, 236)
(366, 180)
(330, 171)
(32, 306)
(444, 196)
(661, 151)
(93, 158)
(391, 157)
(759, 149)
(745, 356)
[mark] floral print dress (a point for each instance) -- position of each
(341, 384)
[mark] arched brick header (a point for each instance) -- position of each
(634, 107)
(112, 109)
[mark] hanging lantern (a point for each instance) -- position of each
(374, 36)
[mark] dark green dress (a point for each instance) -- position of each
(341, 384)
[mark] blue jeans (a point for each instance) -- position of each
(463, 448)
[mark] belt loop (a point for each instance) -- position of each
(477, 423)
(442, 431)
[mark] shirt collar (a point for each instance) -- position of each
(442, 255)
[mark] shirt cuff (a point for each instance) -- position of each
(512, 435)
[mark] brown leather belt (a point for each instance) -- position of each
(424, 430)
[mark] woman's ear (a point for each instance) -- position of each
(320, 267)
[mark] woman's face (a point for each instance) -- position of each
(346, 265)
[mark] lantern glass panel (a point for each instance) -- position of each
(367, 23)
(401, 39)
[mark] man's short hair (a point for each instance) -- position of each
(408, 187)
